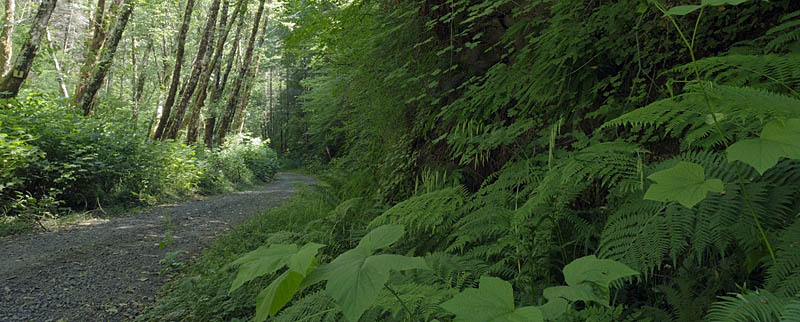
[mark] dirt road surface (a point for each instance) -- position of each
(109, 270)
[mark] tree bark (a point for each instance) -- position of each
(92, 49)
(230, 108)
(176, 72)
(138, 88)
(10, 84)
(248, 87)
(201, 64)
(59, 73)
(6, 41)
(106, 57)
(200, 96)
(222, 80)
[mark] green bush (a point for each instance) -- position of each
(54, 160)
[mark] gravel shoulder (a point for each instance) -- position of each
(109, 270)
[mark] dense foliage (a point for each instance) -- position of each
(54, 161)
(512, 138)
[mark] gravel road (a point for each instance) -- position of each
(108, 270)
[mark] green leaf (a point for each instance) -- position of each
(779, 139)
(684, 183)
(381, 237)
(271, 299)
(593, 269)
(269, 259)
(554, 308)
(356, 277)
(493, 300)
(685, 10)
(681, 10)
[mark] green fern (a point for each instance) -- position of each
(756, 306)
(316, 307)
(785, 36)
(742, 111)
(778, 73)
(784, 276)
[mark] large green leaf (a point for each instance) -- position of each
(271, 299)
(493, 300)
(779, 139)
(685, 183)
(356, 277)
(589, 279)
(687, 9)
(592, 269)
(267, 260)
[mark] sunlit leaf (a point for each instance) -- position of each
(779, 139)
(684, 183)
(493, 300)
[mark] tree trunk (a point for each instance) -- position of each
(92, 49)
(176, 72)
(6, 40)
(10, 84)
(221, 82)
(208, 138)
(253, 72)
(200, 65)
(59, 73)
(138, 88)
(230, 108)
(200, 96)
(106, 56)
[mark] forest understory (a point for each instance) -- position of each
(478, 160)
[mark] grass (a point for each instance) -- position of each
(200, 292)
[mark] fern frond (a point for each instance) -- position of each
(742, 112)
(756, 306)
(786, 35)
(316, 307)
(784, 276)
(779, 73)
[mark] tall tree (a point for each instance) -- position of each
(98, 25)
(248, 85)
(6, 41)
(10, 83)
(106, 57)
(140, 73)
(220, 81)
(201, 64)
(60, 74)
(200, 95)
(176, 71)
(230, 107)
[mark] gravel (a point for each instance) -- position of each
(110, 270)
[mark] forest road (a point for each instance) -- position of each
(110, 270)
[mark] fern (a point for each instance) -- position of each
(757, 306)
(429, 217)
(784, 276)
(742, 111)
(316, 307)
(779, 73)
(786, 35)
(642, 234)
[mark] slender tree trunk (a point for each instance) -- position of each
(251, 76)
(176, 72)
(230, 108)
(10, 84)
(92, 50)
(106, 56)
(138, 88)
(200, 65)
(6, 41)
(221, 82)
(200, 96)
(59, 73)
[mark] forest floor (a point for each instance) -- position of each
(109, 270)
